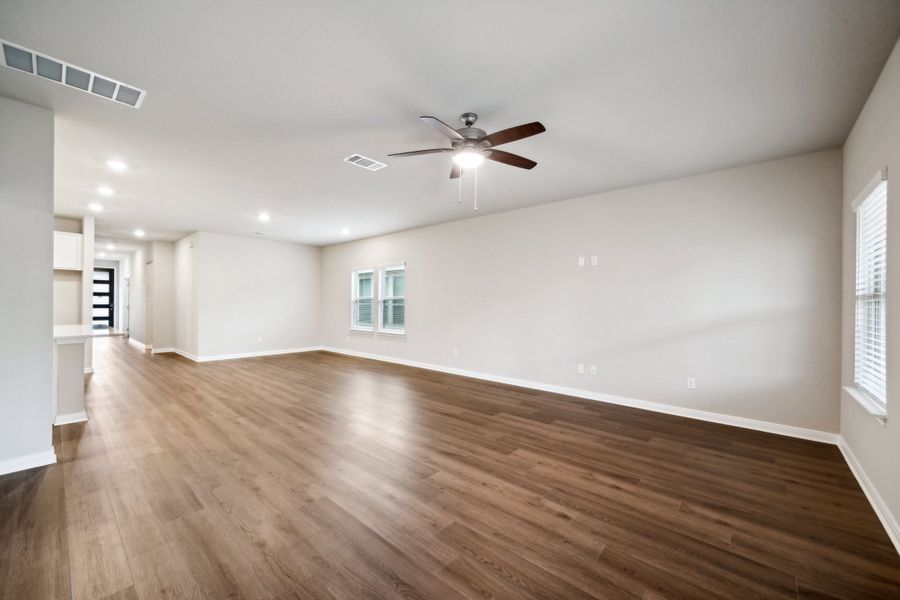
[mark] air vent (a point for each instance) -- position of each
(366, 163)
(23, 59)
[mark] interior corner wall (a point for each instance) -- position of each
(163, 296)
(137, 295)
(185, 280)
(874, 143)
(729, 277)
(26, 295)
(252, 296)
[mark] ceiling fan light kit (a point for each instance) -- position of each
(470, 145)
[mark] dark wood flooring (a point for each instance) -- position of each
(322, 476)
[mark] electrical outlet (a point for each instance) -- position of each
(594, 261)
(456, 352)
(691, 383)
(593, 369)
(580, 369)
(580, 261)
(259, 338)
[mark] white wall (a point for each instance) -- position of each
(163, 296)
(731, 277)
(185, 295)
(137, 295)
(26, 258)
(238, 295)
(873, 144)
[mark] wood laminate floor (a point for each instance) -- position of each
(322, 476)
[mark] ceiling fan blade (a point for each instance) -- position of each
(455, 172)
(436, 123)
(417, 152)
(505, 136)
(509, 158)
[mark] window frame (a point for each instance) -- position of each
(382, 272)
(870, 400)
(355, 298)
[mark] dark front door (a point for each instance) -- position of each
(104, 297)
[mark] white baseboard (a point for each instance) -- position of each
(79, 417)
(137, 343)
(161, 350)
(29, 461)
(702, 415)
(215, 357)
(888, 521)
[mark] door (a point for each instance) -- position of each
(104, 297)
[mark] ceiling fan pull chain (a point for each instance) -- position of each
(459, 179)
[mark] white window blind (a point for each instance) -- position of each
(393, 298)
(363, 298)
(870, 363)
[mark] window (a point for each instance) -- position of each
(392, 294)
(871, 254)
(363, 297)
(390, 311)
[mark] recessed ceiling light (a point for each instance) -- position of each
(95, 206)
(117, 165)
(264, 217)
(110, 246)
(138, 233)
(345, 231)
(102, 254)
(105, 191)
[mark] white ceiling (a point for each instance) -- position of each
(252, 105)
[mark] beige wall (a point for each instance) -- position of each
(138, 294)
(163, 296)
(26, 294)
(730, 277)
(874, 143)
(239, 295)
(66, 297)
(185, 295)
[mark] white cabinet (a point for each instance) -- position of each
(67, 250)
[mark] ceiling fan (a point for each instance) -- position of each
(471, 145)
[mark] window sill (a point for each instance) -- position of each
(872, 407)
(389, 332)
(362, 330)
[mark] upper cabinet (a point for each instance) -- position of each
(67, 250)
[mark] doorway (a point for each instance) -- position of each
(104, 297)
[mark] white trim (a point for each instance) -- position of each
(88, 370)
(872, 407)
(161, 350)
(137, 342)
(888, 521)
(79, 417)
(215, 357)
(788, 430)
(873, 183)
(29, 461)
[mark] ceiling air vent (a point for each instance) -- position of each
(23, 59)
(366, 163)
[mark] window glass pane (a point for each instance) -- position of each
(362, 313)
(394, 283)
(394, 314)
(364, 285)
